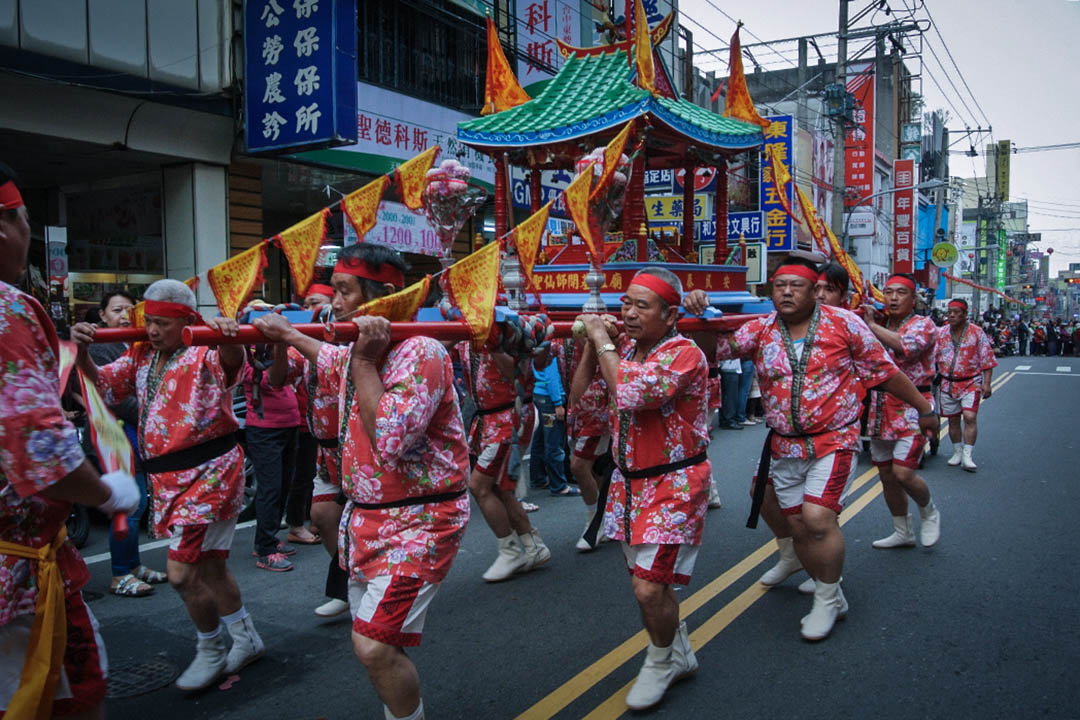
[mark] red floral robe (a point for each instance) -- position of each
(976, 355)
(489, 389)
(189, 403)
(38, 448)
(419, 450)
(323, 420)
(839, 353)
(591, 416)
(661, 418)
(890, 417)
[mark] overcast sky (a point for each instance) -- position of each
(1021, 59)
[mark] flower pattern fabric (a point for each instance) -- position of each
(890, 417)
(661, 418)
(489, 389)
(823, 416)
(419, 450)
(187, 403)
(976, 354)
(38, 448)
(591, 415)
(321, 412)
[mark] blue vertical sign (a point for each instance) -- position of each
(779, 226)
(300, 73)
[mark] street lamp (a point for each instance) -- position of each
(928, 185)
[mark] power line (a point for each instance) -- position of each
(934, 25)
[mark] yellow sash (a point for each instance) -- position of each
(45, 652)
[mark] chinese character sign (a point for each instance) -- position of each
(300, 73)
(904, 209)
(779, 227)
(539, 22)
(859, 152)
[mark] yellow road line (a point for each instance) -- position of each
(558, 699)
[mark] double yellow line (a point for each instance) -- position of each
(615, 706)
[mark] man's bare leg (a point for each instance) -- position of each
(391, 672)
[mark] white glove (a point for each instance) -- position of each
(124, 496)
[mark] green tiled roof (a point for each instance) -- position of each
(592, 93)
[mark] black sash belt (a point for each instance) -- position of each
(526, 400)
(498, 408)
(329, 443)
(714, 372)
(420, 500)
(962, 379)
(191, 457)
(664, 469)
(924, 388)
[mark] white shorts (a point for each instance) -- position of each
(391, 608)
(323, 491)
(968, 402)
(904, 452)
(664, 564)
(821, 481)
(192, 543)
(591, 447)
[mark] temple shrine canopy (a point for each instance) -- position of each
(593, 95)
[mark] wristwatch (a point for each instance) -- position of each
(606, 347)
(931, 412)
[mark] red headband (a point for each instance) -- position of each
(900, 280)
(958, 304)
(319, 289)
(800, 270)
(821, 278)
(169, 309)
(10, 197)
(661, 287)
(361, 269)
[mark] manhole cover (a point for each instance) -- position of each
(136, 677)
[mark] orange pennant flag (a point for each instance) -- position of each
(473, 283)
(502, 90)
(301, 243)
(738, 104)
(811, 219)
(527, 238)
(362, 206)
(841, 257)
(412, 175)
(233, 280)
(138, 314)
(643, 54)
(400, 306)
(781, 180)
(577, 202)
(612, 153)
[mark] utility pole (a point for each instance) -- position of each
(840, 140)
(980, 239)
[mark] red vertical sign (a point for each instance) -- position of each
(859, 146)
(904, 209)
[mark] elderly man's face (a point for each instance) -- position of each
(14, 243)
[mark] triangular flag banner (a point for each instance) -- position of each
(612, 153)
(502, 90)
(138, 314)
(527, 237)
(473, 283)
(412, 175)
(577, 202)
(811, 219)
(362, 206)
(400, 306)
(841, 257)
(106, 433)
(301, 243)
(643, 50)
(738, 105)
(233, 280)
(781, 179)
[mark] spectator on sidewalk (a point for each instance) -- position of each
(547, 456)
(730, 371)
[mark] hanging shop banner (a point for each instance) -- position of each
(670, 207)
(552, 184)
(779, 225)
(539, 22)
(400, 228)
(659, 181)
(300, 70)
(904, 209)
(859, 152)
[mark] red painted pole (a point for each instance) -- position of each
(636, 203)
(247, 334)
(720, 214)
(501, 210)
(111, 335)
(687, 243)
(536, 194)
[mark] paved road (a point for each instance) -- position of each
(984, 625)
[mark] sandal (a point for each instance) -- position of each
(154, 577)
(568, 491)
(130, 586)
(529, 507)
(303, 536)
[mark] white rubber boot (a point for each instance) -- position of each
(930, 529)
(957, 454)
(207, 667)
(683, 653)
(417, 714)
(332, 608)
(808, 586)
(829, 606)
(536, 552)
(968, 463)
(787, 565)
(511, 559)
(714, 495)
(902, 536)
(658, 672)
(247, 646)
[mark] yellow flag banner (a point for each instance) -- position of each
(412, 175)
(400, 306)
(738, 105)
(138, 314)
(502, 90)
(473, 283)
(233, 280)
(811, 218)
(612, 153)
(362, 206)
(300, 243)
(643, 49)
(527, 237)
(841, 257)
(781, 179)
(106, 432)
(577, 202)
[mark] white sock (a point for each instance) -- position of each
(208, 635)
(414, 715)
(233, 617)
(927, 508)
